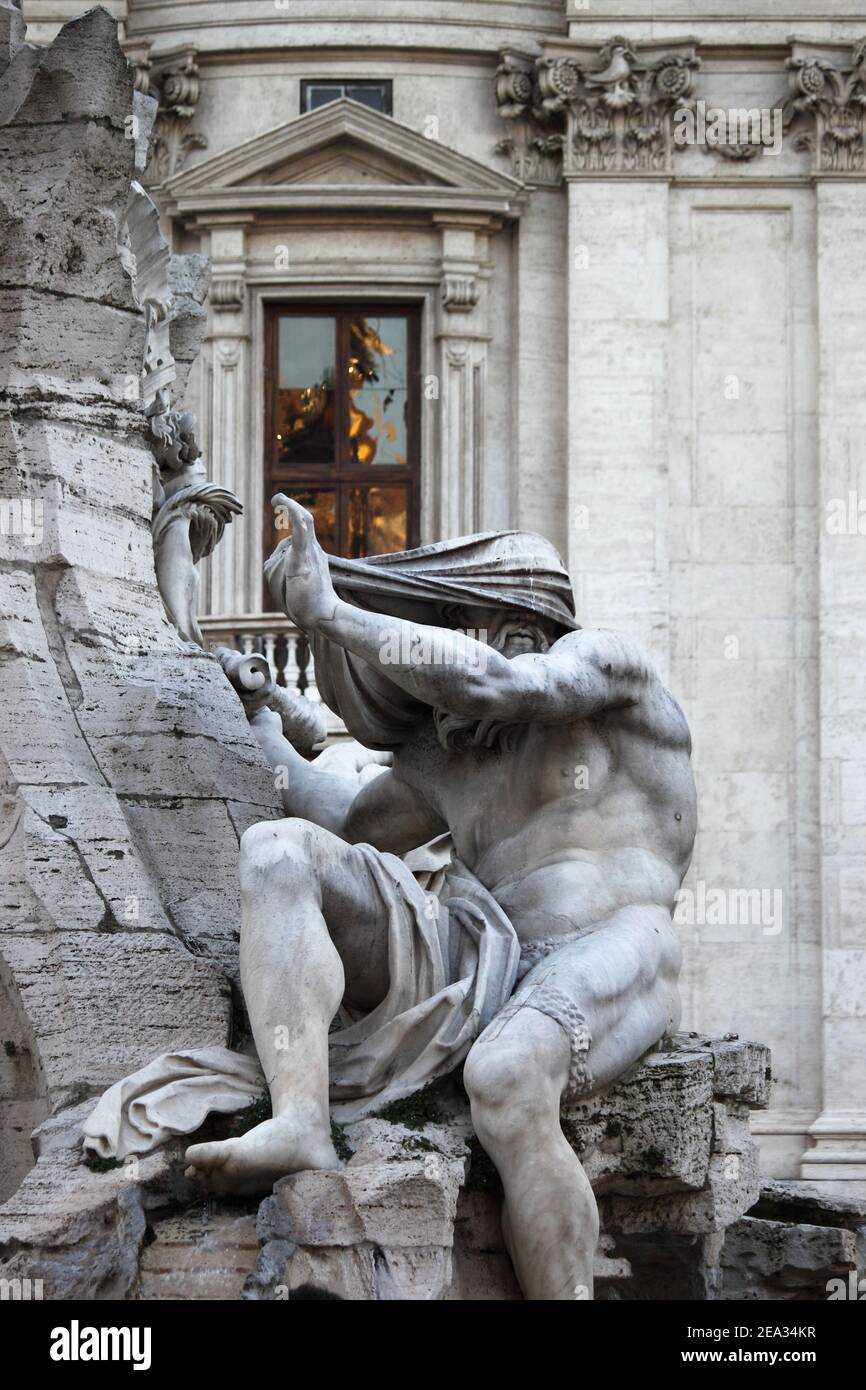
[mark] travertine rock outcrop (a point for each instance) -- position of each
(415, 1212)
(798, 1243)
(128, 767)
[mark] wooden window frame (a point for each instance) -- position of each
(343, 472)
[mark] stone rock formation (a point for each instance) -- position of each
(798, 1243)
(415, 1212)
(128, 767)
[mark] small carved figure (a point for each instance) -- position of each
(190, 515)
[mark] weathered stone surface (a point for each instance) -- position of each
(741, 1072)
(43, 175)
(797, 1242)
(670, 1133)
(12, 32)
(828, 1205)
(121, 748)
(79, 1231)
(409, 1203)
(669, 1155)
(82, 76)
(779, 1260)
(189, 280)
(199, 1253)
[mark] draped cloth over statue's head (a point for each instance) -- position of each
(496, 569)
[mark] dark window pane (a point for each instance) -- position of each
(320, 93)
(378, 390)
(371, 94)
(378, 519)
(305, 390)
(322, 502)
(375, 94)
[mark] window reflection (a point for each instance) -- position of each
(378, 520)
(342, 432)
(305, 389)
(378, 380)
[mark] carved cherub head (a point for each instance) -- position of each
(173, 441)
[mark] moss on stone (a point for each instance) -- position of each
(482, 1176)
(248, 1118)
(419, 1142)
(416, 1111)
(340, 1140)
(96, 1164)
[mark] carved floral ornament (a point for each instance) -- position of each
(174, 80)
(612, 114)
(827, 108)
(614, 111)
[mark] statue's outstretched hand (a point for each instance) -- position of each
(297, 572)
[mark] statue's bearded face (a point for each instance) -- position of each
(510, 631)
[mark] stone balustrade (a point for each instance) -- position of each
(283, 646)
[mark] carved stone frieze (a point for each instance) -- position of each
(608, 111)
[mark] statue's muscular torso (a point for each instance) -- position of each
(579, 820)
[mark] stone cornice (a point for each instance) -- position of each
(333, 199)
(608, 112)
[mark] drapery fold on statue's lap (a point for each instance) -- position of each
(453, 958)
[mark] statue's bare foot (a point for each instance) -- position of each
(256, 1160)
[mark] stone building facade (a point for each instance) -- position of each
(635, 328)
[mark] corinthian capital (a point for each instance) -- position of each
(534, 145)
(826, 107)
(609, 110)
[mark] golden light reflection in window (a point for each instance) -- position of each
(342, 422)
(378, 394)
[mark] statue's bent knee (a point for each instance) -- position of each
(280, 846)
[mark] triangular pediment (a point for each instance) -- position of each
(343, 162)
(342, 144)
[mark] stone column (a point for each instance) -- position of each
(618, 310)
(233, 581)
(824, 112)
(615, 108)
(537, 483)
(461, 339)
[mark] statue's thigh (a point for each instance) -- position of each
(614, 992)
(358, 921)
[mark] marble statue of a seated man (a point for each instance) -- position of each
(542, 953)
